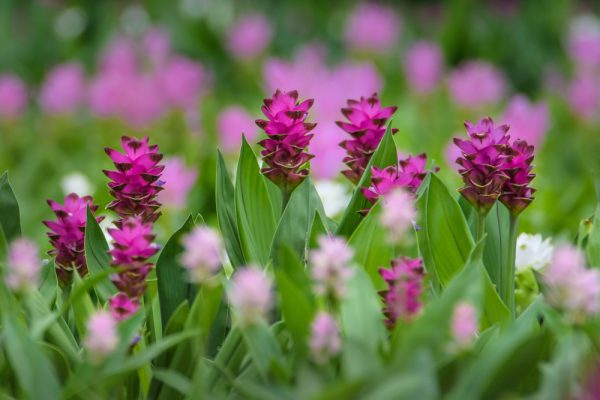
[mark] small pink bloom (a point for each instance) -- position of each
(157, 46)
(182, 82)
(583, 43)
(122, 306)
(423, 66)
(250, 295)
(583, 94)
(23, 265)
(202, 249)
(398, 214)
(13, 96)
(372, 27)
(178, 180)
(106, 93)
(141, 100)
(475, 84)
(408, 174)
(102, 337)
(464, 324)
(63, 89)
(325, 341)
(453, 153)
(402, 297)
(527, 121)
(231, 123)
(249, 36)
(120, 57)
(331, 266)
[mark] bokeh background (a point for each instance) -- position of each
(191, 74)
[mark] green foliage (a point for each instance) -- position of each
(10, 220)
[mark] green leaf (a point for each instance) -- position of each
(318, 228)
(384, 156)
(83, 307)
(256, 221)
(96, 255)
(296, 221)
(593, 241)
(173, 379)
(263, 348)
(3, 244)
(225, 201)
(372, 249)
(10, 219)
(444, 238)
(35, 374)
(172, 281)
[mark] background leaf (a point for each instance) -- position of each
(96, 255)
(10, 219)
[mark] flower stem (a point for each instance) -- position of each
(507, 274)
(285, 198)
(480, 226)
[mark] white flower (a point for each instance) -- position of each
(76, 182)
(533, 251)
(334, 195)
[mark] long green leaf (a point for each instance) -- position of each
(10, 219)
(593, 241)
(96, 255)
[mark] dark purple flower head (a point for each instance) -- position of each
(482, 161)
(122, 307)
(516, 192)
(409, 174)
(136, 182)
(366, 125)
(288, 137)
(67, 235)
(402, 297)
(132, 247)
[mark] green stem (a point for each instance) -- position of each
(507, 274)
(224, 356)
(480, 226)
(285, 198)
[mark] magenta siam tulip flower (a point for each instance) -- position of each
(527, 121)
(202, 249)
(476, 84)
(13, 96)
(373, 28)
(102, 337)
(288, 134)
(67, 235)
(409, 174)
(516, 192)
(122, 306)
(178, 180)
(22, 266)
(63, 90)
(367, 120)
(232, 122)
(331, 268)
(402, 297)
(464, 324)
(423, 66)
(571, 286)
(482, 163)
(325, 341)
(136, 181)
(249, 36)
(250, 295)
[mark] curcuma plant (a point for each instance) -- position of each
(416, 292)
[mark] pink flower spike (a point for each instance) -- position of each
(182, 82)
(476, 84)
(202, 249)
(527, 121)
(249, 36)
(402, 297)
(517, 193)
(23, 265)
(331, 267)
(122, 307)
(250, 295)
(232, 122)
(178, 180)
(464, 324)
(423, 66)
(325, 341)
(13, 97)
(63, 90)
(372, 27)
(102, 337)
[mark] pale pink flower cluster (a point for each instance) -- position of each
(102, 338)
(527, 120)
(398, 214)
(571, 286)
(330, 87)
(13, 96)
(249, 36)
(250, 294)
(178, 180)
(232, 122)
(23, 265)
(63, 89)
(476, 84)
(331, 266)
(464, 324)
(325, 341)
(372, 27)
(202, 249)
(423, 66)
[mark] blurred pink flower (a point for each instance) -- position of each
(178, 180)
(182, 81)
(250, 294)
(583, 43)
(325, 341)
(475, 84)
(120, 56)
(372, 27)
(398, 214)
(63, 90)
(583, 94)
(231, 123)
(527, 121)
(201, 256)
(122, 307)
(453, 153)
(156, 46)
(141, 100)
(22, 265)
(464, 324)
(102, 337)
(13, 96)
(423, 66)
(249, 36)
(105, 93)
(331, 266)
